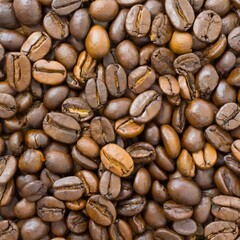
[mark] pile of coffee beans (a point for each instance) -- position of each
(119, 119)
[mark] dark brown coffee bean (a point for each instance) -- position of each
(117, 31)
(34, 191)
(18, 71)
(165, 234)
(37, 46)
(232, 163)
(116, 80)
(50, 209)
(68, 188)
(127, 54)
(228, 116)
(141, 79)
(142, 181)
(162, 61)
(202, 210)
(181, 188)
(61, 127)
(64, 7)
(207, 26)
(6, 193)
(24, 101)
(142, 152)
(96, 93)
(104, 11)
(8, 166)
(97, 231)
(77, 222)
(29, 13)
(138, 21)
(100, 210)
(127, 3)
(58, 162)
(131, 206)
(233, 39)
(25, 209)
(227, 181)
(221, 229)
(117, 160)
(77, 108)
(51, 73)
(109, 185)
(117, 108)
(48, 178)
(8, 106)
(120, 229)
(56, 27)
(80, 24)
(59, 229)
(145, 107)
(9, 230)
(88, 147)
(36, 139)
(137, 223)
(180, 13)
(34, 228)
(185, 227)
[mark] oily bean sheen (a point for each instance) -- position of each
(116, 160)
(61, 127)
(119, 119)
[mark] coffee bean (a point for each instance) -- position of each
(52, 73)
(77, 108)
(64, 7)
(18, 69)
(221, 229)
(120, 228)
(50, 209)
(142, 181)
(180, 13)
(165, 233)
(109, 185)
(9, 230)
(68, 188)
(207, 26)
(61, 127)
(116, 160)
(100, 210)
(138, 21)
(185, 227)
(132, 206)
(233, 39)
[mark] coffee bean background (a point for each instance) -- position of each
(119, 119)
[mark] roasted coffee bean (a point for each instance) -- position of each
(51, 73)
(18, 69)
(142, 152)
(185, 227)
(138, 21)
(162, 61)
(96, 93)
(145, 106)
(68, 188)
(120, 228)
(116, 160)
(8, 168)
(6, 192)
(207, 26)
(8, 106)
(180, 13)
(232, 163)
(36, 139)
(233, 78)
(233, 39)
(137, 223)
(37, 46)
(109, 185)
(77, 108)
(141, 79)
(221, 229)
(132, 206)
(50, 209)
(102, 131)
(180, 188)
(165, 233)
(97, 230)
(116, 80)
(219, 138)
(61, 127)
(63, 7)
(228, 116)
(56, 27)
(9, 230)
(100, 210)
(76, 222)
(142, 181)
